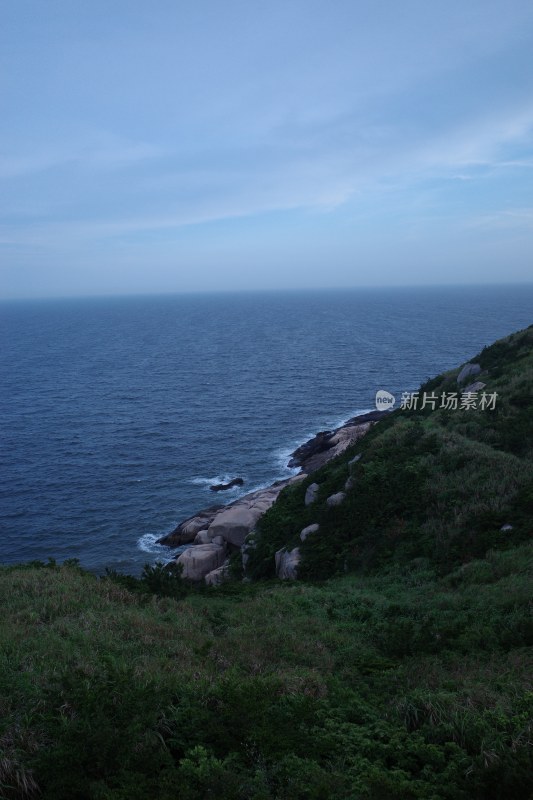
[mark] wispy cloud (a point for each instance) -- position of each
(103, 151)
(507, 219)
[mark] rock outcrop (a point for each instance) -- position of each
(247, 547)
(218, 575)
(287, 562)
(468, 371)
(199, 560)
(202, 538)
(217, 528)
(335, 499)
(309, 530)
(186, 531)
(477, 386)
(327, 444)
(311, 493)
(221, 487)
(234, 522)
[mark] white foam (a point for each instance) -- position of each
(148, 543)
(198, 480)
(283, 455)
(336, 422)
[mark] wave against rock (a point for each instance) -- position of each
(229, 525)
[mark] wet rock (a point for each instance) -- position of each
(318, 444)
(313, 454)
(186, 531)
(221, 487)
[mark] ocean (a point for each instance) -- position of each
(117, 414)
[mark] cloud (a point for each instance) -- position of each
(515, 219)
(101, 151)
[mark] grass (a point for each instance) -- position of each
(402, 684)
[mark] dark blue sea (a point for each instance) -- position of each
(117, 414)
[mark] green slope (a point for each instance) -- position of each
(433, 483)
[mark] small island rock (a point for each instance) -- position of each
(221, 487)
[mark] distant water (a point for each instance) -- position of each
(117, 414)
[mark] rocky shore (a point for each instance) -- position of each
(217, 531)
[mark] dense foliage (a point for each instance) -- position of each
(403, 673)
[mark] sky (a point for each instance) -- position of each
(176, 146)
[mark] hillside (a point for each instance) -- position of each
(398, 666)
(444, 484)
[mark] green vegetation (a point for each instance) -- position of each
(399, 669)
(437, 484)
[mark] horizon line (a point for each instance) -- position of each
(260, 290)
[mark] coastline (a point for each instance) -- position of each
(216, 531)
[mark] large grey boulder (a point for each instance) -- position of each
(197, 561)
(317, 451)
(335, 499)
(311, 493)
(218, 575)
(202, 537)
(350, 483)
(186, 531)
(235, 523)
(308, 531)
(468, 371)
(287, 562)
